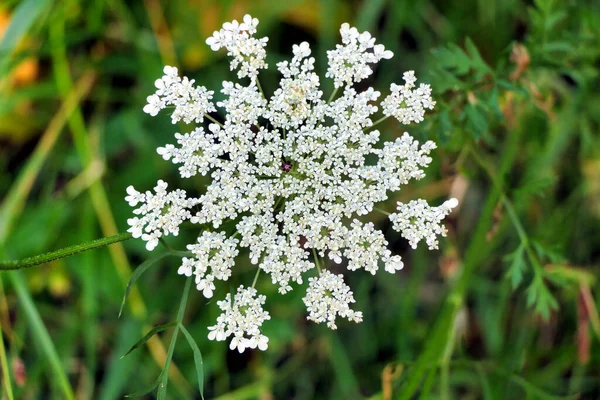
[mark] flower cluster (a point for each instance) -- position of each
(241, 319)
(162, 212)
(327, 297)
(417, 220)
(408, 105)
(291, 173)
(216, 250)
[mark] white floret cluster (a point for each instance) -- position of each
(290, 175)
(328, 297)
(213, 249)
(417, 220)
(414, 102)
(161, 212)
(241, 319)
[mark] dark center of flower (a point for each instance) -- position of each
(286, 166)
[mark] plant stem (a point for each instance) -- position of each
(3, 360)
(162, 389)
(62, 253)
(208, 116)
(475, 254)
(260, 89)
(381, 211)
(316, 260)
(332, 95)
(380, 120)
(256, 277)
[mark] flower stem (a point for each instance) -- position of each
(381, 211)
(260, 89)
(62, 253)
(316, 260)
(332, 95)
(208, 116)
(380, 120)
(256, 277)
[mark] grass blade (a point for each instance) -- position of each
(162, 389)
(197, 358)
(23, 18)
(137, 273)
(6, 380)
(148, 335)
(41, 335)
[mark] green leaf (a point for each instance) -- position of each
(137, 273)
(512, 87)
(197, 359)
(539, 296)
(444, 126)
(453, 58)
(517, 267)
(546, 252)
(148, 335)
(478, 64)
(476, 122)
(342, 367)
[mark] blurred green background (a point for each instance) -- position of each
(506, 309)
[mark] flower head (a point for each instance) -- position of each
(289, 175)
(327, 298)
(242, 319)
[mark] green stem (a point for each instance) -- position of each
(256, 277)
(380, 120)
(316, 260)
(3, 359)
(208, 116)
(62, 253)
(162, 389)
(381, 211)
(260, 89)
(332, 95)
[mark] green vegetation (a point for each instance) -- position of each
(506, 309)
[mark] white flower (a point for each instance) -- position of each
(247, 51)
(394, 264)
(199, 152)
(291, 172)
(407, 104)
(161, 213)
(417, 220)
(241, 318)
(328, 297)
(191, 102)
(215, 250)
(365, 247)
(349, 63)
